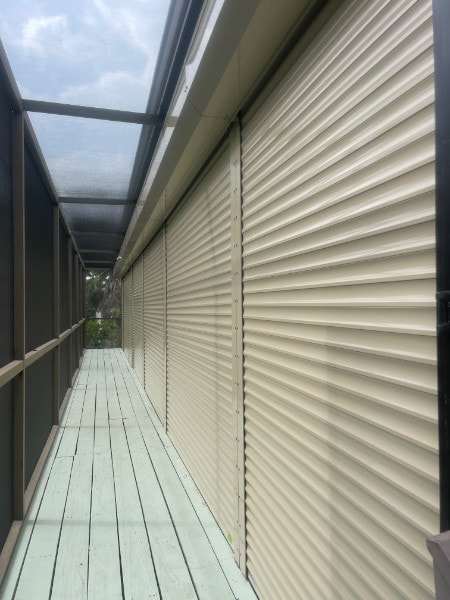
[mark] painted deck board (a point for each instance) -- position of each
(71, 429)
(104, 579)
(37, 571)
(115, 513)
(139, 580)
(170, 565)
(71, 571)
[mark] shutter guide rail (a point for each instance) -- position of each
(239, 544)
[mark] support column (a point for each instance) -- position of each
(83, 307)
(239, 543)
(69, 304)
(56, 315)
(76, 316)
(19, 312)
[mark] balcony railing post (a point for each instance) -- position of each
(56, 314)
(19, 312)
(439, 547)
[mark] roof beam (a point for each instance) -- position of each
(99, 233)
(97, 251)
(110, 201)
(90, 112)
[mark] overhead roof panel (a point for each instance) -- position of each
(97, 217)
(106, 62)
(90, 52)
(87, 157)
(98, 241)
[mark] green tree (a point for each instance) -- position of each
(103, 310)
(103, 294)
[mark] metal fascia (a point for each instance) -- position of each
(231, 24)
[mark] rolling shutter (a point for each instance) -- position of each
(138, 318)
(155, 325)
(199, 381)
(126, 317)
(339, 319)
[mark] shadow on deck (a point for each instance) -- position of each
(115, 513)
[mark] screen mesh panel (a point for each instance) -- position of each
(6, 235)
(38, 410)
(72, 146)
(39, 258)
(98, 217)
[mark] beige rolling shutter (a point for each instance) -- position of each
(138, 318)
(155, 325)
(126, 316)
(199, 382)
(339, 320)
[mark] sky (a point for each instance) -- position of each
(93, 52)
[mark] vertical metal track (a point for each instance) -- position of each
(19, 311)
(131, 317)
(441, 25)
(164, 233)
(122, 310)
(239, 544)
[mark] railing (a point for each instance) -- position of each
(103, 333)
(439, 547)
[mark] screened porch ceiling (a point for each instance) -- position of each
(156, 85)
(97, 79)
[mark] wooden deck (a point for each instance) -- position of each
(115, 514)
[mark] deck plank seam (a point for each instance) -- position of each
(115, 505)
(136, 483)
(81, 419)
(115, 372)
(38, 498)
(143, 515)
(145, 403)
(60, 531)
(175, 529)
(90, 500)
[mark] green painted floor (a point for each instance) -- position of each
(115, 514)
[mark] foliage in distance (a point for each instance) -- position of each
(103, 310)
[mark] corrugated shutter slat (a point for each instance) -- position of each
(127, 315)
(199, 381)
(154, 325)
(339, 314)
(138, 318)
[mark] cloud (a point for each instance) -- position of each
(91, 52)
(137, 22)
(115, 89)
(37, 30)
